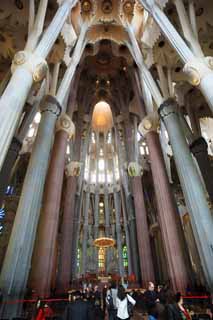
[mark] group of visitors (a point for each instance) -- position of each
(91, 305)
(114, 303)
(162, 304)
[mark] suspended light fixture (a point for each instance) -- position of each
(102, 241)
(102, 117)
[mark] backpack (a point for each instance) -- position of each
(109, 300)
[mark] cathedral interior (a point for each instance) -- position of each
(106, 139)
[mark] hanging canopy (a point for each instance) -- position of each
(102, 117)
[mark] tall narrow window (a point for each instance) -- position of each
(101, 259)
(9, 190)
(125, 257)
(2, 215)
(78, 259)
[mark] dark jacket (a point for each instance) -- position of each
(150, 298)
(97, 313)
(174, 312)
(78, 310)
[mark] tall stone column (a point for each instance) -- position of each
(78, 206)
(27, 67)
(145, 254)
(106, 200)
(162, 273)
(194, 254)
(201, 217)
(130, 209)
(117, 204)
(106, 194)
(151, 85)
(198, 68)
(43, 257)
(134, 170)
(96, 214)
(166, 207)
(16, 267)
(129, 134)
(78, 213)
(85, 231)
(73, 170)
(129, 253)
(97, 196)
(107, 224)
(199, 149)
(65, 267)
(86, 209)
(117, 207)
(17, 261)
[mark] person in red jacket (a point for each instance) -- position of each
(44, 312)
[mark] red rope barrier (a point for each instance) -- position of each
(59, 299)
(196, 297)
(34, 301)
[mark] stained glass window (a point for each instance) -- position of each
(78, 258)
(101, 259)
(9, 190)
(125, 257)
(2, 214)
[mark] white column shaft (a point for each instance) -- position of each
(206, 85)
(193, 190)
(197, 67)
(168, 30)
(11, 105)
(144, 72)
(15, 95)
(61, 94)
(36, 25)
(187, 29)
(52, 32)
(192, 17)
(16, 265)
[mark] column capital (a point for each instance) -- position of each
(52, 105)
(168, 107)
(135, 169)
(73, 169)
(149, 123)
(36, 65)
(65, 123)
(198, 68)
